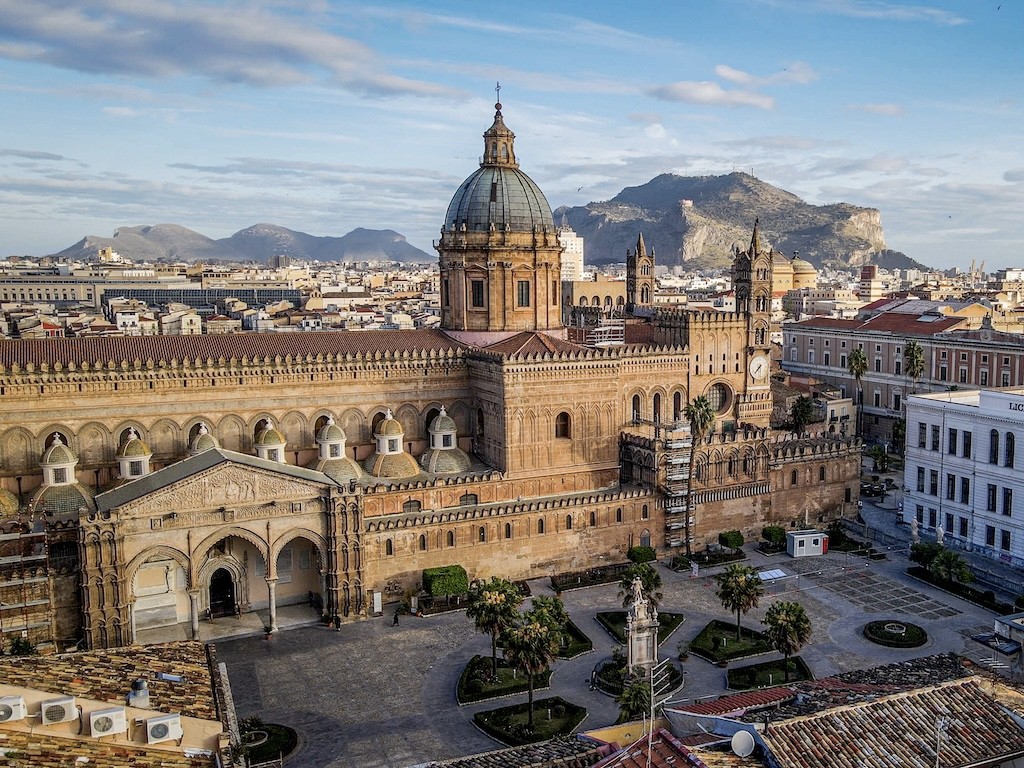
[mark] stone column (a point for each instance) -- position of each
(272, 597)
(131, 624)
(193, 610)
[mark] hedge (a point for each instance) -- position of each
(445, 580)
(641, 554)
(984, 598)
(731, 539)
(475, 683)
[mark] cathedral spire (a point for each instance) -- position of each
(755, 240)
(499, 141)
(641, 249)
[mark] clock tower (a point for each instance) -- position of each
(752, 283)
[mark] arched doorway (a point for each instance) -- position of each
(222, 593)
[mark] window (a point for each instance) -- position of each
(949, 522)
(922, 435)
(562, 425)
(951, 442)
(540, 525)
(423, 542)
(935, 437)
(645, 512)
(468, 499)
(446, 441)
(951, 487)
(920, 479)
(1004, 380)
(389, 548)
(990, 536)
(897, 401)
(878, 365)
(943, 373)
(898, 367)
(636, 407)
(963, 376)
(963, 527)
(990, 498)
(821, 474)
(967, 445)
(984, 358)
(593, 519)
(933, 482)
(993, 447)
(965, 490)
(793, 477)
(920, 514)
(481, 534)
(477, 290)
(932, 517)
(335, 450)
(568, 522)
(983, 380)
(411, 506)
(1004, 541)
(60, 475)
(618, 515)
(877, 402)
(827, 358)
(135, 468)
(1008, 501)
(1009, 449)
(508, 530)
(451, 538)
(523, 293)
(393, 445)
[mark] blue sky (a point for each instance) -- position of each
(324, 116)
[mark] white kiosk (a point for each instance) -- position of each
(806, 543)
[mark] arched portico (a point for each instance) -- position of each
(231, 574)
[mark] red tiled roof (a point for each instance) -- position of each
(251, 345)
(641, 333)
(664, 751)
(532, 343)
(739, 702)
(887, 322)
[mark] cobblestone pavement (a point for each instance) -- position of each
(379, 696)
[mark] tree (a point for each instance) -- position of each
(650, 579)
(950, 566)
(857, 365)
(494, 607)
(913, 362)
(551, 612)
(899, 436)
(800, 414)
(635, 700)
(530, 646)
(739, 589)
(700, 414)
(880, 457)
(788, 629)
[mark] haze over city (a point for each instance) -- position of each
(327, 116)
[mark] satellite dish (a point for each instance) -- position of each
(742, 743)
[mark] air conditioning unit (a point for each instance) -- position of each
(12, 708)
(58, 710)
(163, 728)
(105, 722)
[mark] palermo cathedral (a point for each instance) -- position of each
(159, 480)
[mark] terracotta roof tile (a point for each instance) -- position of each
(741, 702)
(42, 750)
(565, 751)
(532, 343)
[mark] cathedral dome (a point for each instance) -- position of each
(498, 195)
(443, 422)
(803, 266)
(133, 446)
(203, 441)
(389, 426)
(330, 432)
(58, 453)
(269, 436)
(392, 466)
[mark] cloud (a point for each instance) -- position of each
(877, 10)
(1014, 175)
(797, 72)
(706, 92)
(887, 110)
(162, 39)
(26, 154)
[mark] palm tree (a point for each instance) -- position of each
(700, 413)
(494, 607)
(739, 589)
(551, 612)
(913, 362)
(950, 566)
(788, 629)
(857, 365)
(650, 579)
(800, 414)
(635, 700)
(530, 646)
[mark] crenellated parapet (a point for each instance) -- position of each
(821, 447)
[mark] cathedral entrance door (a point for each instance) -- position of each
(222, 593)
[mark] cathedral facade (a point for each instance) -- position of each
(165, 479)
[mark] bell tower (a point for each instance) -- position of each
(752, 283)
(639, 278)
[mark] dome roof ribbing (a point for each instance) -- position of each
(203, 441)
(330, 432)
(58, 453)
(270, 436)
(133, 446)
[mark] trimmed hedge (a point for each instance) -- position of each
(985, 598)
(508, 724)
(731, 539)
(752, 642)
(640, 554)
(756, 675)
(913, 636)
(577, 642)
(615, 623)
(606, 574)
(475, 683)
(445, 580)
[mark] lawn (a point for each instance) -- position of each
(717, 642)
(475, 683)
(615, 623)
(551, 717)
(269, 741)
(768, 673)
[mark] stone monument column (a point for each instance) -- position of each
(272, 595)
(641, 631)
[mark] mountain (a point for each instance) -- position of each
(697, 220)
(169, 242)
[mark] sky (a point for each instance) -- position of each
(324, 116)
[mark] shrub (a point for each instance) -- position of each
(641, 554)
(446, 580)
(558, 710)
(475, 686)
(774, 534)
(731, 539)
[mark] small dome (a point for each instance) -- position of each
(445, 461)
(8, 503)
(443, 422)
(133, 446)
(389, 426)
(269, 436)
(330, 432)
(62, 499)
(392, 466)
(58, 453)
(802, 265)
(340, 470)
(203, 441)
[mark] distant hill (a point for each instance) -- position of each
(695, 220)
(169, 242)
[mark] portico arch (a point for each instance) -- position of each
(300, 558)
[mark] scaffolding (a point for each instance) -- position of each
(674, 477)
(24, 587)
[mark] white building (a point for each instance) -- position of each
(960, 472)
(572, 254)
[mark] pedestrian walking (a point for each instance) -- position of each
(395, 622)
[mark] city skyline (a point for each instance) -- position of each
(328, 116)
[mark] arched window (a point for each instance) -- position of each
(593, 519)
(645, 538)
(636, 407)
(793, 478)
(568, 522)
(479, 422)
(993, 447)
(644, 512)
(618, 515)
(821, 474)
(389, 548)
(540, 525)
(677, 406)
(468, 499)
(482, 533)
(508, 530)
(731, 469)
(411, 507)
(431, 415)
(562, 425)
(423, 542)
(1010, 448)
(451, 538)
(656, 410)
(583, 301)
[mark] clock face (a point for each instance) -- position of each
(759, 367)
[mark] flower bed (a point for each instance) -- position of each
(895, 634)
(717, 642)
(707, 559)
(611, 677)
(767, 674)
(551, 717)
(607, 574)
(575, 642)
(475, 683)
(615, 623)
(266, 741)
